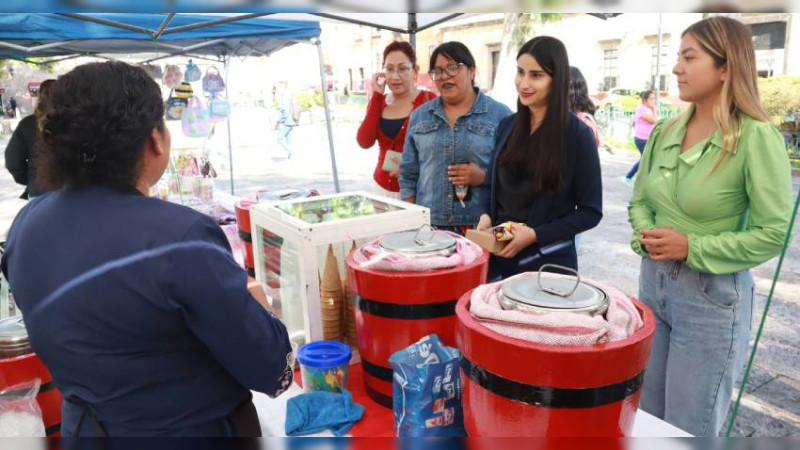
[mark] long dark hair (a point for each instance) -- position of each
(579, 100)
(95, 123)
(539, 157)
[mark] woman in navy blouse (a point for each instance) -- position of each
(135, 305)
(546, 172)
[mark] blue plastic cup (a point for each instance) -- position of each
(324, 365)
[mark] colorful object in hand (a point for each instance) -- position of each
(324, 365)
(505, 231)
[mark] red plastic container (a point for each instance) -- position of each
(396, 309)
(243, 208)
(515, 388)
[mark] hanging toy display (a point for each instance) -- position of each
(192, 73)
(172, 76)
(212, 81)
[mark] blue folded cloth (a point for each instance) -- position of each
(317, 411)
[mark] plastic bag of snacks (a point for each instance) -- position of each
(427, 390)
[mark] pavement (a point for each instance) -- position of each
(771, 403)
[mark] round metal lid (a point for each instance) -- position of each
(421, 242)
(552, 292)
(13, 337)
(283, 194)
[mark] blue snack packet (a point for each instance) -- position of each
(427, 390)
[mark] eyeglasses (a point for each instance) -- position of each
(401, 70)
(450, 69)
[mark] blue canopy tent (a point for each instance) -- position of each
(57, 37)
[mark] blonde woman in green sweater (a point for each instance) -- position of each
(712, 200)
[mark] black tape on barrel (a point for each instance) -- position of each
(247, 237)
(379, 398)
(383, 373)
(550, 397)
(406, 312)
(53, 429)
(49, 386)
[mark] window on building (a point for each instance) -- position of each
(494, 55)
(610, 69)
(663, 74)
(352, 81)
(769, 36)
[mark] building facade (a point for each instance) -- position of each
(621, 52)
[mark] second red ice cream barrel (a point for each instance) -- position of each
(516, 388)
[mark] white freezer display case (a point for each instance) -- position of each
(292, 239)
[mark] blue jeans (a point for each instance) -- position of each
(703, 323)
(285, 138)
(640, 143)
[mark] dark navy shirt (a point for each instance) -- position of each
(138, 309)
(556, 217)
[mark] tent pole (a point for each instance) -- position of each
(346, 19)
(228, 122)
(211, 23)
(163, 26)
(657, 84)
(439, 22)
(318, 43)
(110, 23)
(412, 27)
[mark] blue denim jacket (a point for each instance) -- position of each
(432, 145)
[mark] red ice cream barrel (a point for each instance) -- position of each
(18, 364)
(396, 309)
(517, 388)
(243, 208)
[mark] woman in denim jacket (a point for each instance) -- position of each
(546, 171)
(450, 142)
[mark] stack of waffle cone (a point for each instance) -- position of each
(350, 333)
(331, 299)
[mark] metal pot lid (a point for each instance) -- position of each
(554, 292)
(13, 334)
(421, 242)
(283, 194)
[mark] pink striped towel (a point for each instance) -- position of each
(558, 328)
(373, 257)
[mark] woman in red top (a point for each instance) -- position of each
(387, 115)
